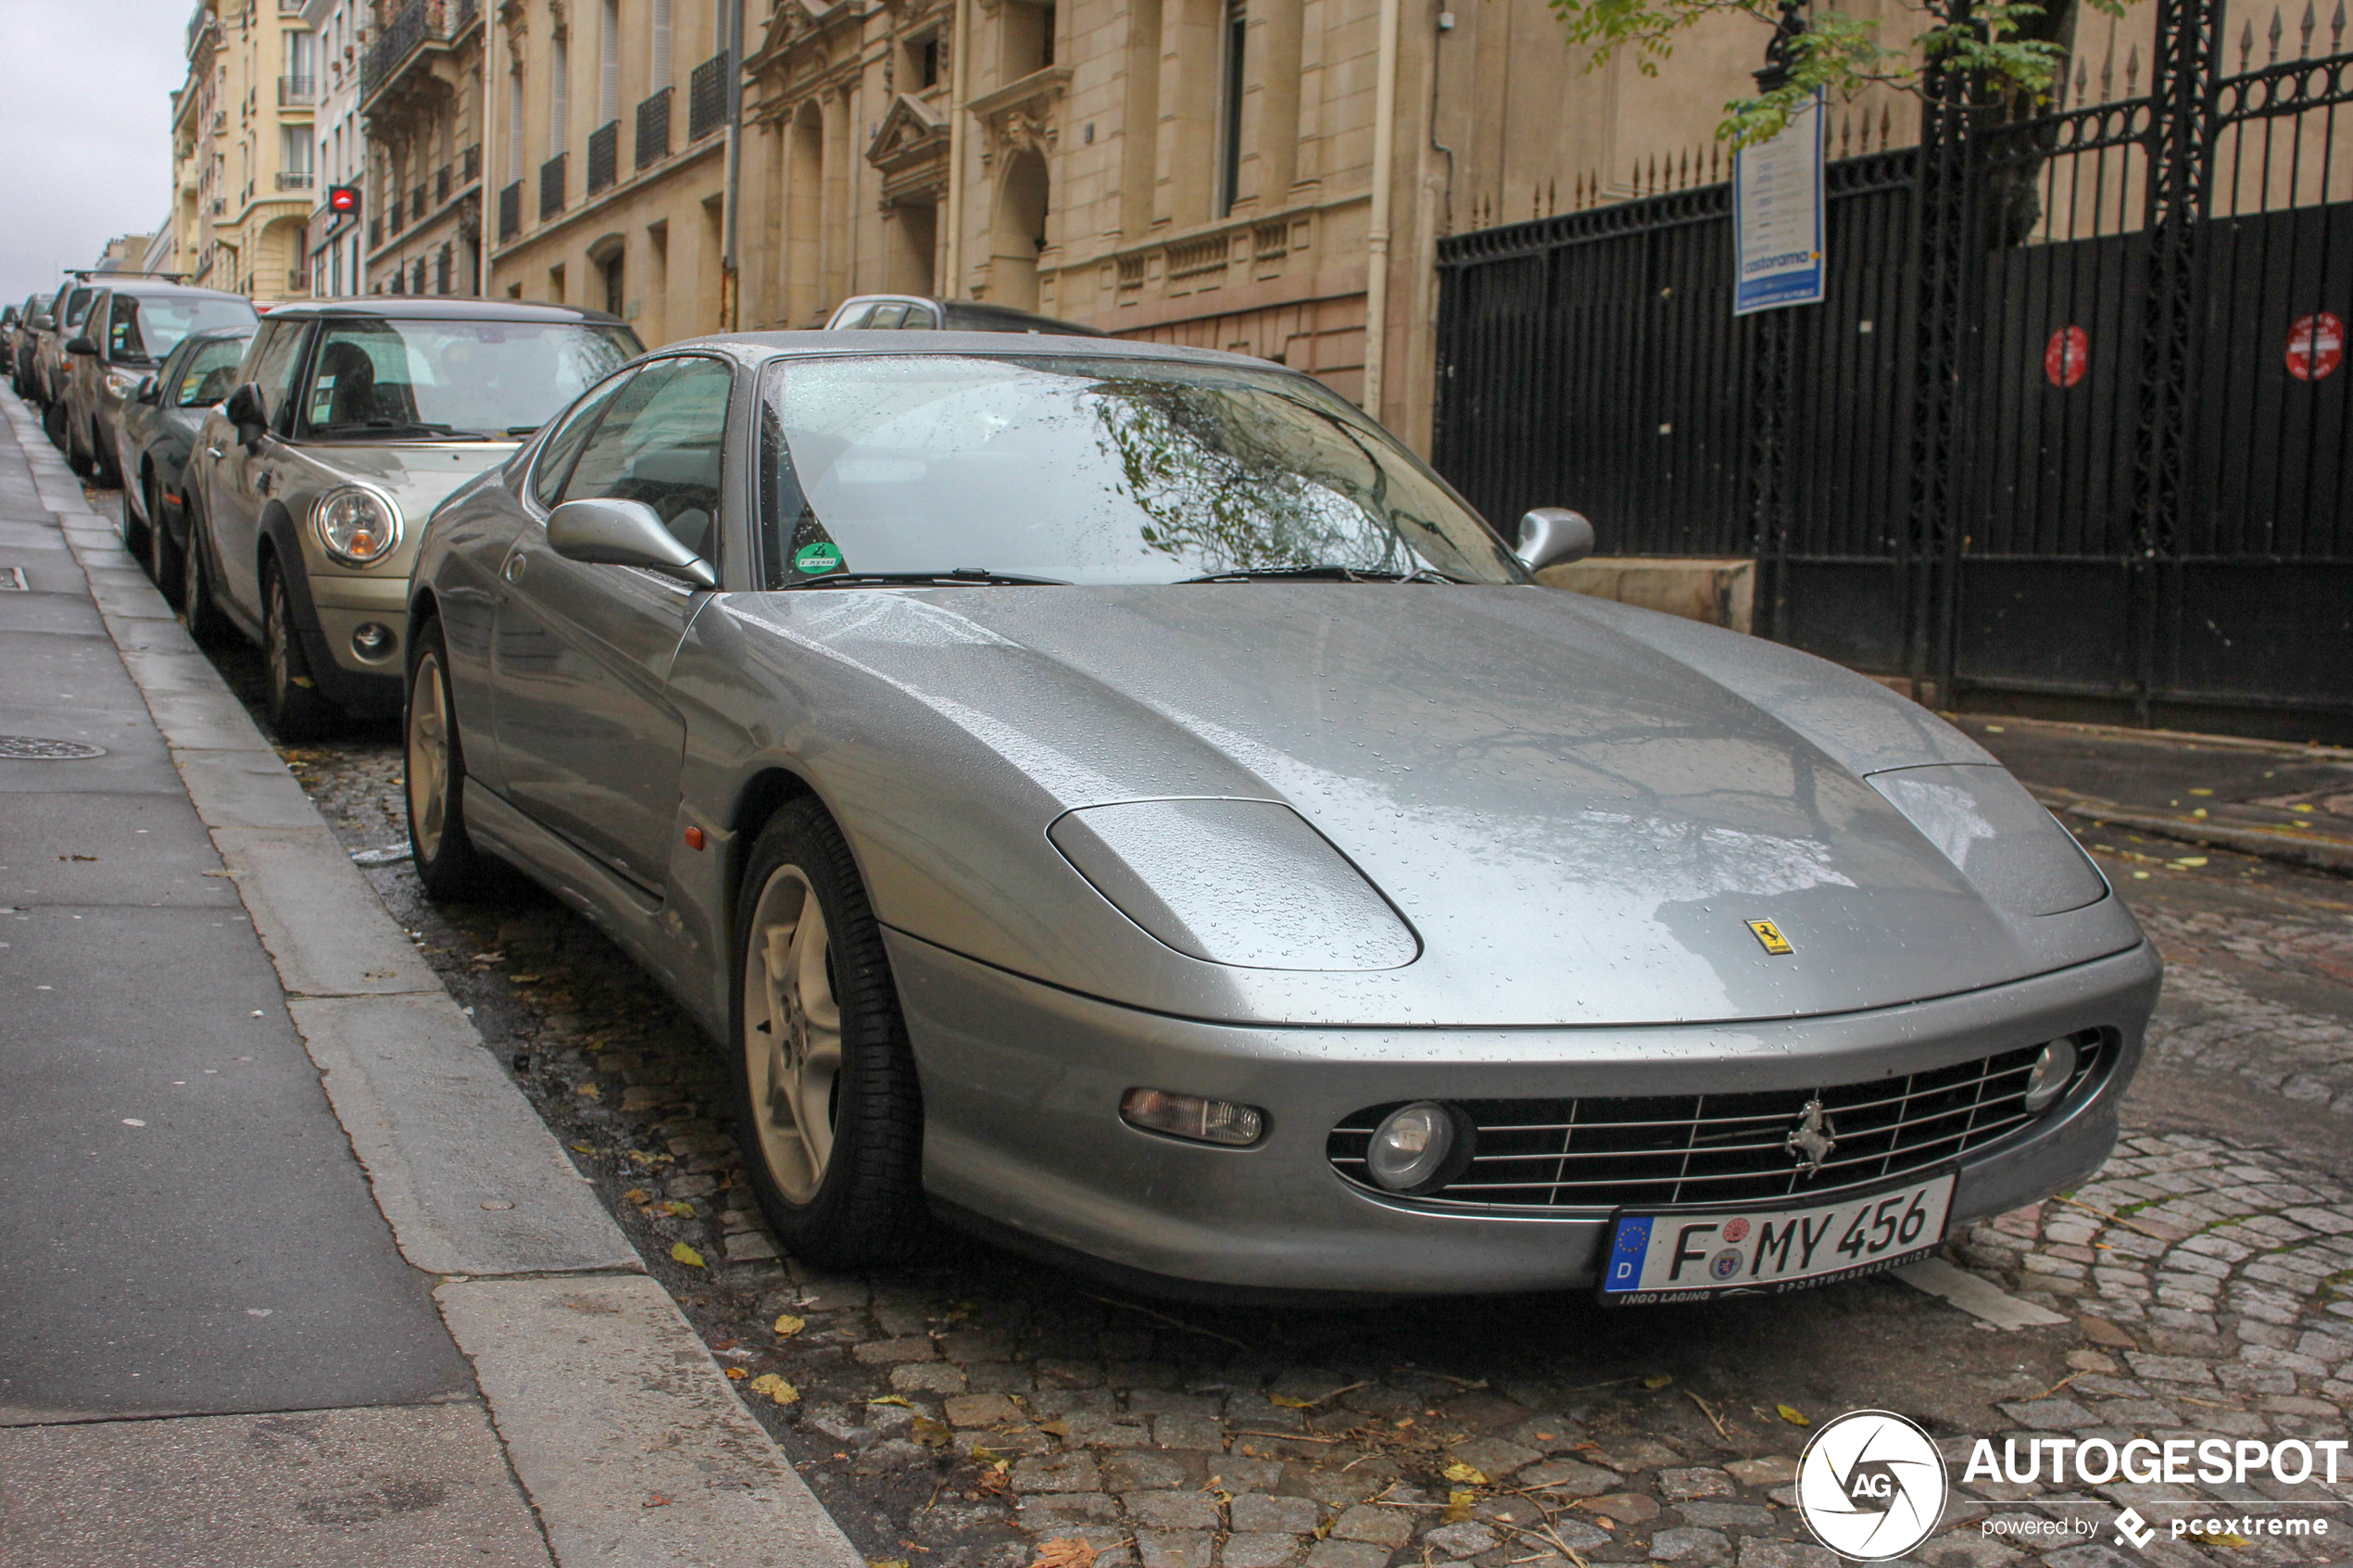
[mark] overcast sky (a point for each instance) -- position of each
(85, 113)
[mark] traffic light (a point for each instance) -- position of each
(344, 200)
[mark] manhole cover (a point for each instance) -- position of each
(32, 749)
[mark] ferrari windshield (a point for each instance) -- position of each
(374, 379)
(1075, 468)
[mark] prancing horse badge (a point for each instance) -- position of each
(1770, 938)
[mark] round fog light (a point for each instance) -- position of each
(371, 641)
(2054, 1070)
(1414, 1149)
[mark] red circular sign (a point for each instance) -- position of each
(2315, 346)
(2067, 356)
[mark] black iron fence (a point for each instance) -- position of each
(604, 155)
(509, 211)
(551, 187)
(706, 97)
(653, 129)
(2070, 426)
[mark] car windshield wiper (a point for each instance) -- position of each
(960, 576)
(401, 427)
(1328, 573)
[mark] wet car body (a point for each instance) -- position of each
(255, 488)
(23, 341)
(131, 326)
(911, 312)
(1319, 848)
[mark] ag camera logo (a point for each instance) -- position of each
(1871, 1485)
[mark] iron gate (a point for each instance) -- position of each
(2068, 431)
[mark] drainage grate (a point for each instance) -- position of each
(12, 580)
(32, 749)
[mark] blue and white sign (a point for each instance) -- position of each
(1777, 216)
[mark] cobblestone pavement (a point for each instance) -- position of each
(968, 1411)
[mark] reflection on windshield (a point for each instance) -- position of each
(406, 379)
(160, 323)
(1094, 470)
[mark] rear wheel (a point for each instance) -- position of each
(829, 1108)
(163, 556)
(197, 609)
(102, 454)
(134, 533)
(446, 860)
(298, 710)
(53, 422)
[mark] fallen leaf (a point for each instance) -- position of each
(685, 1254)
(677, 1210)
(589, 1091)
(1471, 1474)
(736, 1372)
(1061, 1552)
(583, 1149)
(2201, 792)
(1657, 1380)
(1458, 1507)
(891, 1399)
(789, 1325)
(524, 979)
(1792, 1414)
(1058, 1429)
(886, 1562)
(932, 1434)
(657, 1500)
(777, 1388)
(1287, 1402)
(637, 1196)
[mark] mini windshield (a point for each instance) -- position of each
(151, 328)
(1096, 470)
(404, 380)
(210, 372)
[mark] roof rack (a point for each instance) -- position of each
(85, 273)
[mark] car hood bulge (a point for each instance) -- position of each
(419, 475)
(1578, 809)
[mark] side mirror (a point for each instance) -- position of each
(246, 411)
(81, 345)
(145, 390)
(623, 534)
(1553, 536)
(44, 322)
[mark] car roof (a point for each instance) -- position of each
(147, 287)
(421, 308)
(760, 347)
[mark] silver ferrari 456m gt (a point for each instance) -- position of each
(1117, 798)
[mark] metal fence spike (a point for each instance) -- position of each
(2247, 43)
(2276, 30)
(2304, 49)
(2133, 72)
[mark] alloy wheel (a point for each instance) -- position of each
(792, 1033)
(428, 765)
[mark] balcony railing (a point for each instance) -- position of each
(414, 25)
(706, 97)
(510, 212)
(293, 180)
(604, 155)
(653, 129)
(551, 187)
(293, 90)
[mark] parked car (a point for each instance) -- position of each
(909, 312)
(350, 422)
(8, 339)
(1117, 797)
(132, 324)
(32, 318)
(155, 436)
(49, 355)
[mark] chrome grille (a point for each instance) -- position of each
(1661, 1149)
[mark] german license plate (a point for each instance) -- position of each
(1685, 1255)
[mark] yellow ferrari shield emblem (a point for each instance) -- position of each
(1770, 938)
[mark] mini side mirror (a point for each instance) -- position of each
(1553, 536)
(623, 534)
(246, 411)
(81, 345)
(45, 323)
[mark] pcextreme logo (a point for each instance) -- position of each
(1871, 1485)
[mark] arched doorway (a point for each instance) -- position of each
(1019, 231)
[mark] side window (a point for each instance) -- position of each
(123, 341)
(208, 373)
(271, 366)
(659, 443)
(887, 318)
(96, 325)
(76, 307)
(563, 447)
(856, 319)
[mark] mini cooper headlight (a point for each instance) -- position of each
(357, 526)
(1416, 1147)
(2053, 1071)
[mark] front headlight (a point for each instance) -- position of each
(357, 526)
(1245, 883)
(122, 384)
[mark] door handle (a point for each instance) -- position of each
(212, 451)
(514, 569)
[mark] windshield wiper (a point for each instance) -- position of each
(401, 427)
(962, 575)
(1326, 574)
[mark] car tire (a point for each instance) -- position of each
(298, 710)
(198, 611)
(434, 767)
(829, 1115)
(53, 422)
(135, 534)
(163, 556)
(102, 454)
(78, 457)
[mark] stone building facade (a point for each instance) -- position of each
(609, 125)
(421, 100)
(241, 147)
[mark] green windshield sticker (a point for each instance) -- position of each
(813, 559)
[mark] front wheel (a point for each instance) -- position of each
(163, 556)
(445, 859)
(829, 1108)
(135, 542)
(297, 711)
(198, 611)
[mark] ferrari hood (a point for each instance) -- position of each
(1583, 815)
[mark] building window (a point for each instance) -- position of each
(927, 62)
(659, 76)
(1229, 108)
